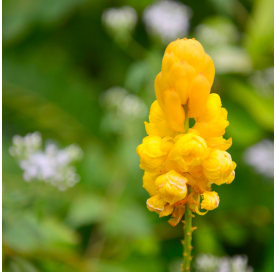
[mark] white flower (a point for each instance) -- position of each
(210, 263)
(53, 165)
(261, 157)
(126, 105)
(122, 19)
(167, 19)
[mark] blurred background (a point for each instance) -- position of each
(80, 74)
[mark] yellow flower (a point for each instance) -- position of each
(171, 186)
(189, 150)
(218, 167)
(149, 182)
(158, 124)
(153, 151)
(189, 71)
(158, 205)
(213, 121)
(210, 200)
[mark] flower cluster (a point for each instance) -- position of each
(52, 166)
(180, 163)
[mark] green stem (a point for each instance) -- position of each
(188, 219)
(187, 238)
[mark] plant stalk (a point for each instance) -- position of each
(187, 238)
(188, 218)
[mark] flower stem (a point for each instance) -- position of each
(187, 238)
(188, 218)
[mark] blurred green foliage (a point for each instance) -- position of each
(57, 60)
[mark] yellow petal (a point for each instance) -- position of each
(174, 111)
(208, 69)
(198, 96)
(159, 90)
(180, 77)
(149, 182)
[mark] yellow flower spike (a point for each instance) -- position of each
(198, 96)
(180, 77)
(159, 90)
(158, 205)
(152, 152)
(176, 215)
(174, 111)
(158, 124)
(149, 182)
(208, 70)
(189, 150)
(210, 201)
(218, 167)
(171, 186)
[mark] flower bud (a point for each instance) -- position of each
(218, 167)
(153, 151)
(171, 186)
(210, 200)
(158, 205)
(189, 150)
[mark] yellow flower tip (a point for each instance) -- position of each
(189, 150)
(210, 200)
(219, 167)
(171, 187)
(158, 205)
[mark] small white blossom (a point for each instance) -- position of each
(261, 157)
(210, 263)
(120, 20)
(126, 105)
(52, 165)
(167, 19)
